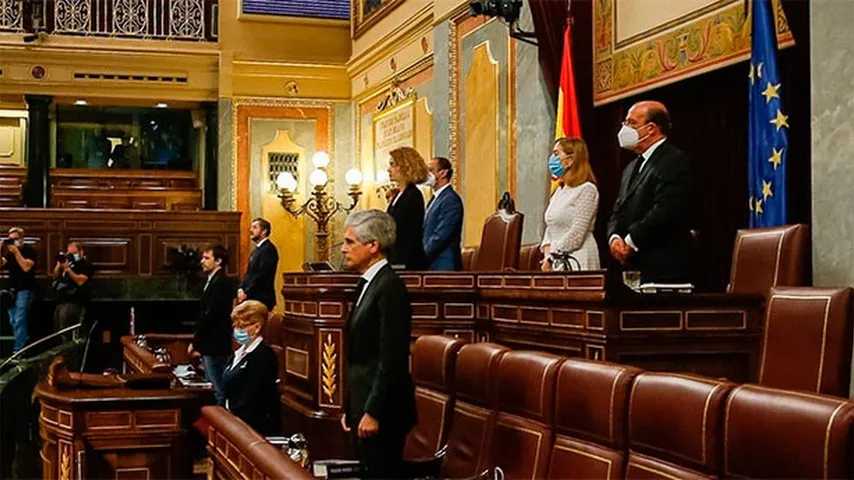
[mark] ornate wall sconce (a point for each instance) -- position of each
(321, 206)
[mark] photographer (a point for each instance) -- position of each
(71, 276)
(19, 259)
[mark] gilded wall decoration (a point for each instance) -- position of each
(638, 46)
(10, 15)
(329, 394)
(366, 13)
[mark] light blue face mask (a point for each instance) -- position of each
(241, 336)
(556, 167)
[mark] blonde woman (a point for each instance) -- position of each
(571, 214)
(251, 373)
(407, 168)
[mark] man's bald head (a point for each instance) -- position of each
(654, 112)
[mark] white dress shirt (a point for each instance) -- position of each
(369, 275)
(246, 350)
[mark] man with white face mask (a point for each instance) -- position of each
(443, 219)
(649, 228)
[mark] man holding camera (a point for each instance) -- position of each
(19, 259)
(71, 276)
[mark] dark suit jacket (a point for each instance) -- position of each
(443, 227)
(251, 389)
(260, 279)
(656, 209)
(212, 335)
(408, 214)
(377, 336)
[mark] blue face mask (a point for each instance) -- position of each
(556, 167)
(241, 336)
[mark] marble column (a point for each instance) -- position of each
(38, 150)
(832, 103)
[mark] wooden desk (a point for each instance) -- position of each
(115, 433)
(583, 314)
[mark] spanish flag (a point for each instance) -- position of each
(567, 122)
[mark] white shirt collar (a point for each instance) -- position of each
(439, 191)
(261, 242)
(246, 350)
(369, 275)
(211, 275)
(649, 151)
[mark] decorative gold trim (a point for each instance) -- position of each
(361, 24)
(65, 454)
(741, 239)
(538, 435)
(653, 470)
(329, 368)
(296, 373)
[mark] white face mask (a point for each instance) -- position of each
(628, 137)
(431, 180)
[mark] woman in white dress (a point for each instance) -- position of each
(571, 214)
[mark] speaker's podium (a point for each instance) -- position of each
(97, 426)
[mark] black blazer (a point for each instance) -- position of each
(251, 390)
(212, 335)
(260, 279)
(408, 214)
(378, 336)
(657, 210)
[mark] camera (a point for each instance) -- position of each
(8, 241)
(63, 257)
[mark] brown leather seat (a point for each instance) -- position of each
(433, 361)
(530, 257)
(591, 403)
(522, 439)
(807, 342)
(772, 433)
(239, 452)
(469, 254)
(500, 241)
(768, 257)
(675, 424)
(473, 417)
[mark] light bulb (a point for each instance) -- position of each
(353, 177)
(318, 178)
(320, 159)
(286, 181)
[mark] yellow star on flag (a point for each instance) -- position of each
(776, 157)
(759, 210)
(780, 120)
(771, 91)
(766, 190)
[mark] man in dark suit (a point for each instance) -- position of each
(649, 229)
(443, 219)
(379, 397)
(212, 335)
(260, 279)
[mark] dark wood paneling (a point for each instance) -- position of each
(12, 182)
(131, 189)
(123, 243)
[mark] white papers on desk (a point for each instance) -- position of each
(189, 377)
(667, 288)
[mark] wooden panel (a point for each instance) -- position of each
(122, 242)
(12, 181)
(124, 189)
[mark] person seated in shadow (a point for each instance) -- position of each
(251, 373)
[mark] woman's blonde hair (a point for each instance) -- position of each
(411, 165)
(250, 312)
(580, 171)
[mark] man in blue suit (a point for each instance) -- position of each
(443, 219)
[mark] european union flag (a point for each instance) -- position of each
(768, 141)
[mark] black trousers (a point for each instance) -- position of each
(382, 454)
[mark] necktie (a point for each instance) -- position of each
(636, 170)
(360, 286)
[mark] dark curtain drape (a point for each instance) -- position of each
(709, 114)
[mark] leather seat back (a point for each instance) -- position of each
(591, 405)
(469, 254)
(500, 242)
(768, 257)
(772, 433)
(530, 257)
(433, 361)
(473, 417)
(675, 425)
(522, 440)
(807, 340)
